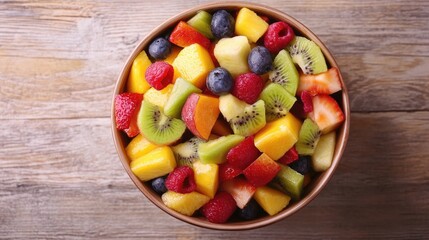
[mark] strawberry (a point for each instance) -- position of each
(323, 83)
(247, 87)
(307, 101)
(220, 208)
(240, 189)
(327, 114)
(227, 171)
(242, 155)
(181, 180)
(261, 171)
(290, 156)
(184, 35)
(126, 106)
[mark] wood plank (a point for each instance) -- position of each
(61, 178)
(61, 59)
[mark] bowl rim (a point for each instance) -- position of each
(324, 177)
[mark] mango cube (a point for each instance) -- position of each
(232, 53)
(271, 200)
(186, 203)
(278, 136)
(158, 97)
(249, 24)
(136, 80)
(156, 163)
(138, 147)
(193, 64)
(206, 178)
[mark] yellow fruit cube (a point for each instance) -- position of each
(136, 80)
(193, 64)
(232, 53)
(158, 97)
(278, 136)
(156, 163)
(249, 24)
(271, 200)
(138, 147)
(206, 178)
(186, 203)
(175, 50)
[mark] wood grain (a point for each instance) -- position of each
(61, 177)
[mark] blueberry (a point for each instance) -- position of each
(219, 81)
(251, 211)
(302, 165)
(160, 48)
(158, 185)
(260, 60)
(222, 24)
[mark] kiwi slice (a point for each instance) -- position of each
(308, 137)
(307, 55)
(187, 153)
(284, 72)
(277, 100)
(157, 127)
(250, 121)
(201, 22)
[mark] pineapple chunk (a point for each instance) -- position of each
(156, 163)
(139, 147)
(206, 178)
(193, 64)
(136, 80)
(249, 24)
(278, 136)
(175, 50)
(232, 53)
(158, 97)
(271, 200)
(186, 203)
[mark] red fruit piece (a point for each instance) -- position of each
(266, 19)
(242, 155)
(278, 35)
(327, 114)
(323, 83)
(220, 208)
(298, 110)
(240, 189)
(184, 35)
(181, 180)
(290, 156)
(307, 100)
(227, 172)
(261, 171)
(159, 75)
(133, 130)
(126, 104)
(247, 87)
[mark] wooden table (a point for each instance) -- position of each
(60, 176)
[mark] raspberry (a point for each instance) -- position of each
(159, 75)
(289, 157)
(278, 35)
(247, 87)
(126, 106)
(181, 180)
(307, 100)
(220, 208)
(227, 172)
(242, 155)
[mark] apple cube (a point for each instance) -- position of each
(232, 53)
(240, 189)
(261, 171)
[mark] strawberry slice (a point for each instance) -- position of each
(327, 114)
(242, 155)
(323, 83)
(126, 106)
(227, 172)
(240, 189)
(261, 171)
(184, 35)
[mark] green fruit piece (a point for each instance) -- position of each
(308, 138)
(277, 100)
(324, 152)
(201, 22)
(214, 151)
(157, 127)
(187, 153)
(284, 72)
(291, 180)
(181, 91)
(307, 55)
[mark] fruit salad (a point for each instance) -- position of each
(230, 115)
